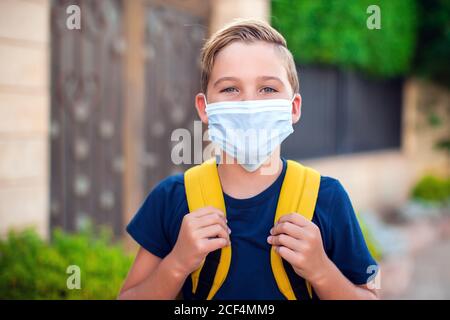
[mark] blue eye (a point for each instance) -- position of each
(269, 90)
(229, 90)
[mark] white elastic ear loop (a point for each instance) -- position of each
(293, 98)
(206, 102)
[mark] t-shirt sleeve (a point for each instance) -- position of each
(349, 251)
(148, 227)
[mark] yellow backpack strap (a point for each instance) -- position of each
(203, 189)
(298, 193)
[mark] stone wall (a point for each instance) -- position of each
(24, 114)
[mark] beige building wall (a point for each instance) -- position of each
(225, 11)
(24, 114)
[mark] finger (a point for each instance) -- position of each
(295, 218)
(215, 230)
(287, 254)
(206, 210)
(210, 219)
(284, 240)
(288, 228)
(215, 243)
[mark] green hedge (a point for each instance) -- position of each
(335, 33)
(31, 268)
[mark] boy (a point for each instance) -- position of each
(247, 70)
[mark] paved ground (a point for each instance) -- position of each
(431, 274)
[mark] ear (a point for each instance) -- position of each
(200, 105)
(296, 108)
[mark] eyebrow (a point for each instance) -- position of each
(264, 78)
(270, 78)
(224, 79)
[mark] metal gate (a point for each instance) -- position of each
(93, 99)
(173, 41)
(345, 112)
(86, 107)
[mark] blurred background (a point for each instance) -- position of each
(86, 117)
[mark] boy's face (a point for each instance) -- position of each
(248, 71)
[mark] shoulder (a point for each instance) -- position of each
(333, 207)
(330, 191)
(167, 197)
(168, 194)
(173, 183)
(334, 213)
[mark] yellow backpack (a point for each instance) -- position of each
(298, 194)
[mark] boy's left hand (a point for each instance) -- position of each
(299, 242)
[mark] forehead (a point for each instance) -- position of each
(249, 59)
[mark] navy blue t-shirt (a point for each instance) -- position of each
(157, 223)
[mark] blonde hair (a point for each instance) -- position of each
(247, 30)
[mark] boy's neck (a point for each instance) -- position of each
(241, 184)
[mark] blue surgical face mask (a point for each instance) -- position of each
(249, 131)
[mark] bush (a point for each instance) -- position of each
(31, 268)
(432, 189)
(335, 33)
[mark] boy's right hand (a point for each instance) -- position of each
(201, 232)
